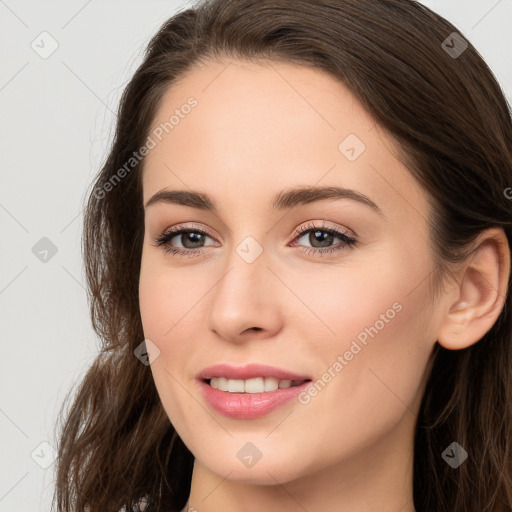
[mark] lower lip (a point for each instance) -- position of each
(248, 405)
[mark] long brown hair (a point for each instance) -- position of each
(453, 124)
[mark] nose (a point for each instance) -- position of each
(246, 301)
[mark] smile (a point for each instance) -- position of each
(254, 385)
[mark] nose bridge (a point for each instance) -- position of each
(246, 272)
(243, 298)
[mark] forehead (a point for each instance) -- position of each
(260, 127)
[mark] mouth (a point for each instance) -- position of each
(251, 391)
(253, 385)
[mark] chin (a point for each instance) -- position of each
(269, 470)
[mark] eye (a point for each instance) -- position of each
(192, 240)
(320, 238)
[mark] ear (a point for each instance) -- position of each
(481, 292)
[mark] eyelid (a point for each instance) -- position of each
(299, 231)
(187, 226)
(311, 225)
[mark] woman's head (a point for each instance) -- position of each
(404, 331)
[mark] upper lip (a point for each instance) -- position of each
(249, 371)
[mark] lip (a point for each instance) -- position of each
(249, 371)
(248, 405)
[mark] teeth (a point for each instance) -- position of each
(256, 385)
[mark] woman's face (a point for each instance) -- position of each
(276, 281)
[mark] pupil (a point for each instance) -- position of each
(191, 237)
(325, 238)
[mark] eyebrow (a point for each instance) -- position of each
(285, 199)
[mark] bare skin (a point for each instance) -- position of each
(259, 129)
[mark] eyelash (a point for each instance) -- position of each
(164, 239)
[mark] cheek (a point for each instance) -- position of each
(152, 299)
(371, 348)
(171, 303)
(346, 301)
(166, 299)
(166, 308)
(380, 380)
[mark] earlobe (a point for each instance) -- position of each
(481, 292)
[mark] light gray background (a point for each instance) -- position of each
(56, 122)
